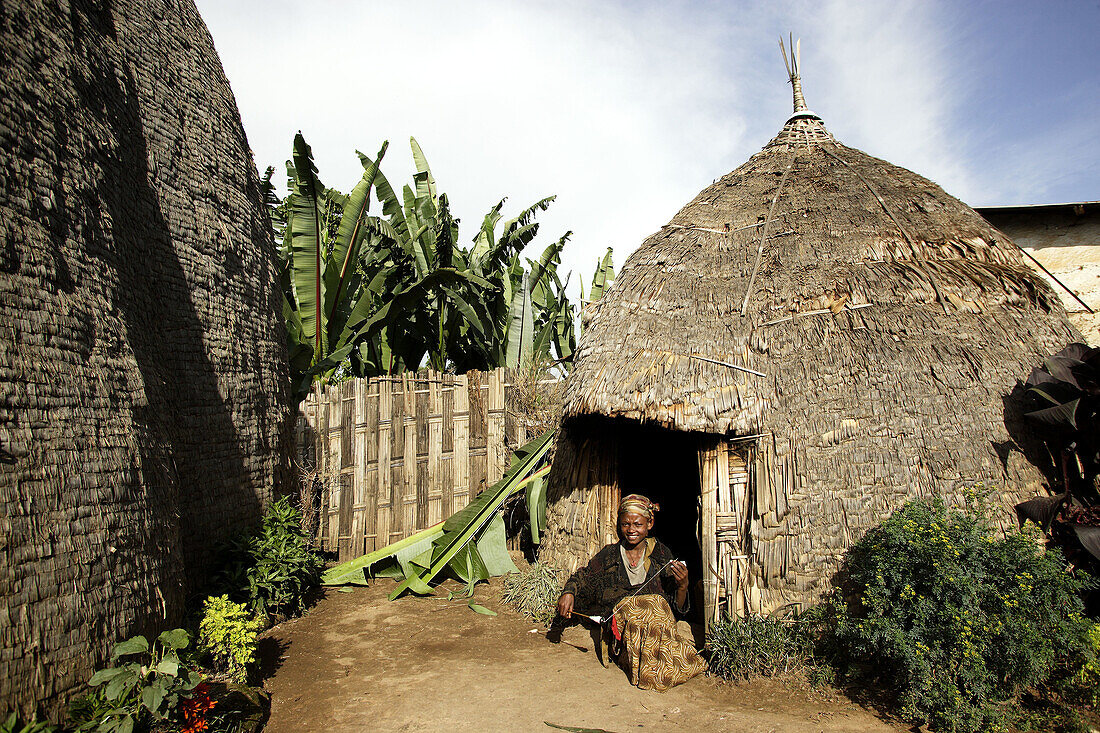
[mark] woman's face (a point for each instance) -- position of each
(634, 528)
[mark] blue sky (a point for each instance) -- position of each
(626, 110)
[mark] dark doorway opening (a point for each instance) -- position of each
(664, 466)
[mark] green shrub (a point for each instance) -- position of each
(740, 649)
(534, 592)
(952, 619)
(271, 570)
(228, 634)
(148, 683)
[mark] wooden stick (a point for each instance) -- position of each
(764, 236)
(1055, 279)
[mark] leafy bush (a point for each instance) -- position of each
(951, 618)
(534, 592)
(228, 634)
(152, 686)
(740, 649)
(272, 570)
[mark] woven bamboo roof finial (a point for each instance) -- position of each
(794, 72)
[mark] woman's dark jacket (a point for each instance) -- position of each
(603, 582)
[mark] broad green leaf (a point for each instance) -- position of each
(536, 508)
(481, 609)
(492, 548)
(353, 572)
(425, 184)
(169, 666)
(462, 526)
(135, 645)
(305, 244)
(174, 639)
(351, 234)
(119, 685)
(520, 328)
(104, 675)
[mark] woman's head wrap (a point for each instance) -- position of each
(638, 504)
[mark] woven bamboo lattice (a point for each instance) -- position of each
(860, 321)
(398, 454)
(144, 409)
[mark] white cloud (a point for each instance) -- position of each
(624, 110)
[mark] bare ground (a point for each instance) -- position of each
(357, 662)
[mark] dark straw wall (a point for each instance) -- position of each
(144, 414)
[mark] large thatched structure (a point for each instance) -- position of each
(144, 408)
(814, 339)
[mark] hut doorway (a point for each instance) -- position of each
(664, 466)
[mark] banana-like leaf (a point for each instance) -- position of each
(536, 508)
(481, 609)
(486, 236)
(353, 572)
(601, 280)
(520, 340)
(391, 206)
(463, 526)
(425, 183)
(304, 225)
(351, 234)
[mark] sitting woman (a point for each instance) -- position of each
(652, 654)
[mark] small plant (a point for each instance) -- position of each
(149, 687)
(755, 646)
(951, 619)
(533, 592)
(228, 634)
(272, 570)
(13, 724)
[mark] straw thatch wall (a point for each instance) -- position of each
(883, 320)
(144, 413)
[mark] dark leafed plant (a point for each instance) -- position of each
(272, 570)
(1062, 400)
(950, 619)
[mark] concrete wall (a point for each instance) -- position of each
(1065, 238)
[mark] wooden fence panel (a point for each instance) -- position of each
(398, 454)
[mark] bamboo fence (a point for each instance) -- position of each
(394, 455)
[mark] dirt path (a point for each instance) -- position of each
(357, 662)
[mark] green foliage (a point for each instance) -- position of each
(13, 724)
(229, 635)
(146, 683)
(950, 618)
(757, 646)
(367, 295)
(272, 570)
(1083, 681)
(534, 592)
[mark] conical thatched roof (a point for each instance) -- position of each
(820, 268)
(839, 334)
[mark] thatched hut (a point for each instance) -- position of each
(816, 338)
(144, 402)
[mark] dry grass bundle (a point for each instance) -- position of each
(536, 396)
(534, 592)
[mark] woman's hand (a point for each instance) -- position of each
(565, 604)
(679, 574)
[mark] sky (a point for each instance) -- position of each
(626, 110)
